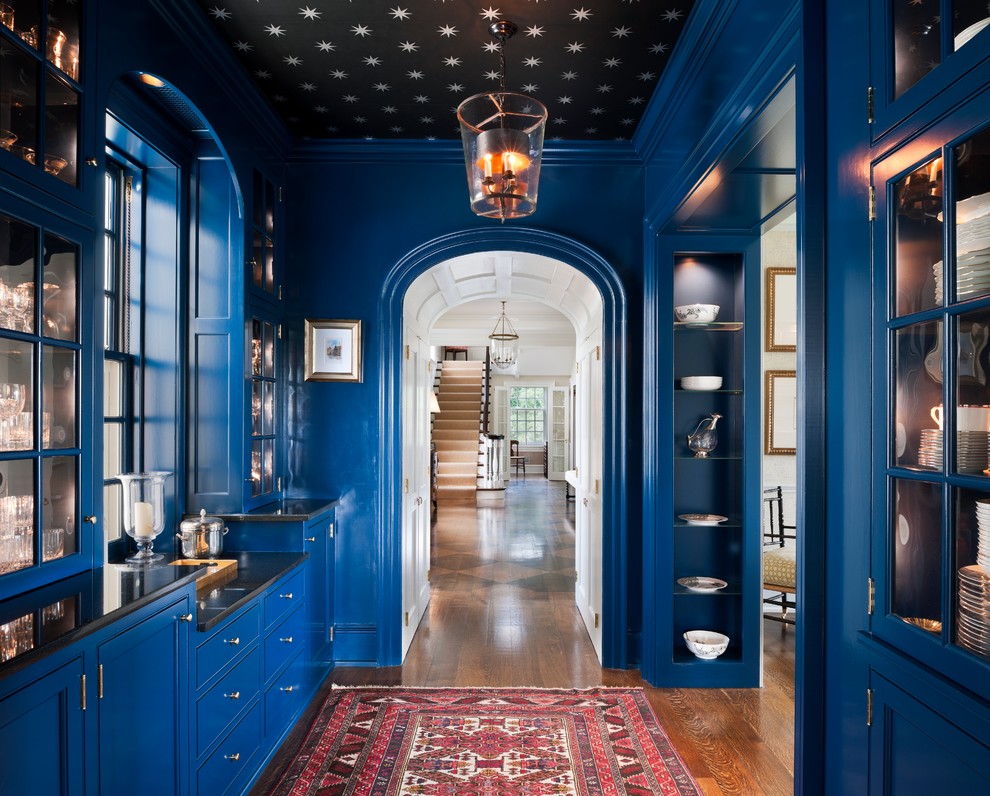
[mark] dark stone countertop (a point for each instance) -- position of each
(288, 510)
(52, 617)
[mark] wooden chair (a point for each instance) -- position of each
(515, 460)
(454, 350)
(779, 558)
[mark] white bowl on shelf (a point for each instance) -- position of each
(696, 313)
(701, 382)
(706, 644)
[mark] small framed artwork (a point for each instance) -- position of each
(781, 318)
(333, 350)
(780, 413)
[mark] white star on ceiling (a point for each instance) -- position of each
(490, 47)
(262, 74)
(421, 98)
(408, 47)
(349, 98)
(656, 49)
(447, 30)
(274, 30)
(338, 74)
(291, 60)
(326, 46)
(635, 100)
(360, 30)
(672, 16)
(621, 32)
(307, 86)
(395, 129)
(320, 108)
(531, 88)
(581, 14)
(645, 76)
(218, 13)
(597, 111)
(452, 61)
(611, 62)
(534, 31)
(574, 47)
(389, 109)
(310, 13)
(415, 74)
(491, 14)
(532, 61)
(569, 76)
(372, 60)
(455, 87)
(426, 119)
(604, 88)
(243, 46)
(381, 87)
(564, 100)
(492, 75)
(399, 13)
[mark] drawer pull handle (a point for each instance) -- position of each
(287, 596)
(310, 538)
(233, 758)
(233, 641)
(287, 639)
(288, 689)
(233, 695)
(186, 618)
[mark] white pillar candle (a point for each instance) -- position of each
(143, 522)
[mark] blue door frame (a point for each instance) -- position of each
(614, 410)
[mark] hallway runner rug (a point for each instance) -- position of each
(486, 742)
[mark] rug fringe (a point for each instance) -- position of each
(336, 687)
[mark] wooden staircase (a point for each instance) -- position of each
(457, 430)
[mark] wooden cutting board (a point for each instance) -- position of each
(219, 571)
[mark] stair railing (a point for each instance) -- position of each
(487, 390)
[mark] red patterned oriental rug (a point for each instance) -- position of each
(486, 742)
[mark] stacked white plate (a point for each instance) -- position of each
(701, 382)
(930, 449)
(972, 274)
(973, 615)
(983, 534)
(968, 33)
(972, 451)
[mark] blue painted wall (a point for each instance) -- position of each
(349, 224)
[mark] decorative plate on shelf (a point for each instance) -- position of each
(700, 584)
(702, 519)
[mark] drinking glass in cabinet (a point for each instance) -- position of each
(916, 542)
(61, 129)
(919, 282)
(19, 104)
(58, 312)
(58, 508)
(16, 398)
(972, 217)
(58, 374)
(918, 418)
(18, 254)
(16, 637)
(16, 515)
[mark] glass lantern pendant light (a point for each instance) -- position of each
(503, 339)
(502, 134)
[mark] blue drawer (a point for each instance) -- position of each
(214, 654)
(282, 642)
(285, 698)
(217, 709)
(227, 769)
(284, 597)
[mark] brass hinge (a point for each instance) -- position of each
(407, 352)
(405, 485)
(598, 352)
(331, 632)
(596, 620)
(871, 595)
(82, 692)
(278, 484)
(873, 204)
(99, 682)
(596, 486)
(869, 104)
(869, 707)
(280, 331)
(577, 367)
(331, 530)
(407, 619)
(577, 575)
(427, 576)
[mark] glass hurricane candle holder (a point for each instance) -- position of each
(144, 512)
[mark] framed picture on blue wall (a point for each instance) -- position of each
(333, 350)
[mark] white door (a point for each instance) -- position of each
(558, 442)
(588, 507)
(417, 381)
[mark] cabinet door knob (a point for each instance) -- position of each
(90, 518)
(233, 758)
(233, 641)
(287, 596)
(288, 689)
(286, 640)
(186, 617)
(233, 695)
(310, 538)
(90, 161)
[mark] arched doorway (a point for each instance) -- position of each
(614, 459)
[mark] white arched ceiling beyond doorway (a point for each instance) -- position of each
(552, 305)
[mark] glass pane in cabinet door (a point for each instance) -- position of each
(61, 129)
(918, 273)
(255, 347)
(58, 396)
(58, 312)
(16, 637)
(258, 260)
(269, 352)
(269, 409)
(969, 18)
(916, 42)
(972, 581)
(58, 507)
(916, 551)
(18, 252)
(269, 265)
(918, 412)
(17, 515)
(18, 103)
(972, 211)
(267, 468)
(16, 397)
(62, 47)
(256, 404)
(256, 459)
(972, 421)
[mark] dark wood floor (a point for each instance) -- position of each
(502, 614)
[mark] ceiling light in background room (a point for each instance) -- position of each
(502, 133)
(503, 346)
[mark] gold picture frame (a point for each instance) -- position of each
(781, 317)
(780, 413)
(333, 350)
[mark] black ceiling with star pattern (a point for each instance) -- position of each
(398, 69)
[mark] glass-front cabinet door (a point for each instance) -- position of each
(931, 551)
(264, 484)
(40, 454)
